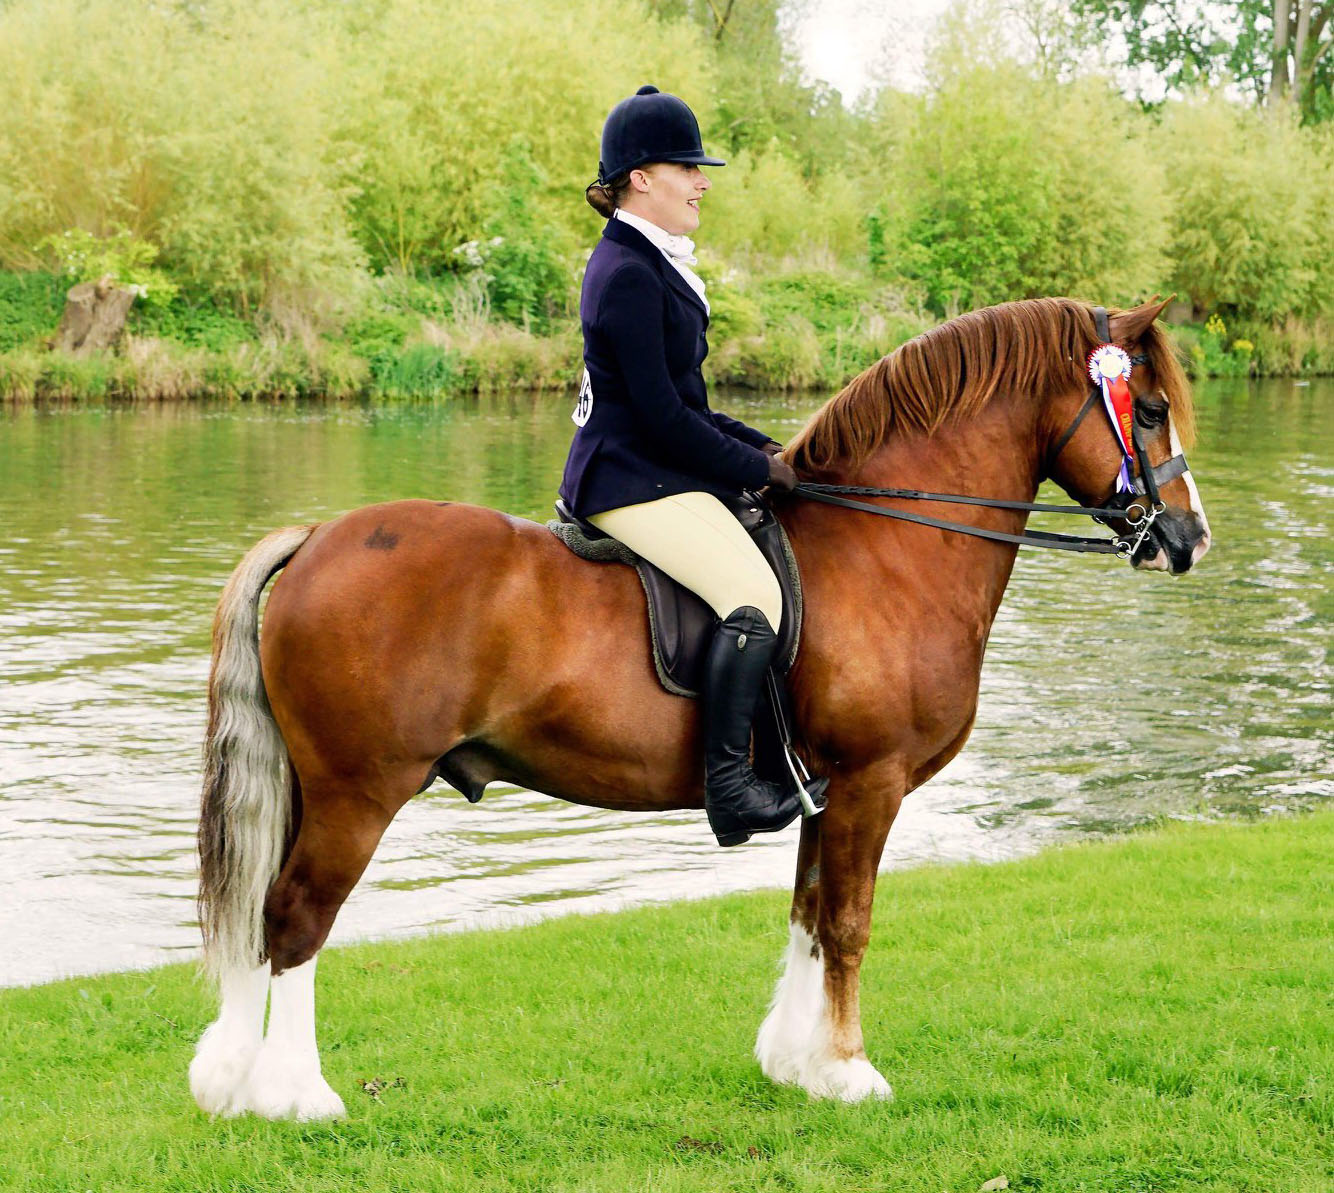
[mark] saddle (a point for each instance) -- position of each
(681, 625)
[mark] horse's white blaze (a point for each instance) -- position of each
(227, 1049)
(285, 1080)
(1196, 505)
(793, 1046)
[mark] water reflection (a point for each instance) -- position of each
(1109, 698)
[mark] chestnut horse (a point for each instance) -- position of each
(416, 631)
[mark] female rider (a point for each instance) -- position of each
(650, 460)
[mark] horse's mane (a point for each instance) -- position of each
(1036, 347)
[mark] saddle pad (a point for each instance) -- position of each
(681, 625)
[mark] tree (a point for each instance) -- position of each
(1280, 51)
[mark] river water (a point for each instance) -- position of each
(1109, 698)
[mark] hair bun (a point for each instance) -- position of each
(647, 89)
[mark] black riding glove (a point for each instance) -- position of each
(782, 476)
(771, 448)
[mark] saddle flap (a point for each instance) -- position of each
(681, 625)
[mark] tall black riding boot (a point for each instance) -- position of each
(737, 800)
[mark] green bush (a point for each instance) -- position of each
(786, 356)
(378, 336)
(432, 94)
(1249, 210)
(734, 312)
(421, 371)
(30, 307)
(827, 300)
(1212, 352)
(194, 324)
(520, 258)
(91, 377)
(1010, 187)
(83, 257)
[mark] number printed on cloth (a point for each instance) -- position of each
(583, 407)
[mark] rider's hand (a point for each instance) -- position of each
(782, 476)
(771, 448)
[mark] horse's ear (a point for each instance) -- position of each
(1128, 326)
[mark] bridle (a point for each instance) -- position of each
(1139, 516)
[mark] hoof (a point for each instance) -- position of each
(853, 1080)
(219, 1072)
(278, 1088)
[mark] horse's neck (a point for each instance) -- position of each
(992, 454)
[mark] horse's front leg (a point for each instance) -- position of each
(812, 1036)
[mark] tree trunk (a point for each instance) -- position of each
(1311, 23)
(94, 316)
(1278, 85)
(1299, 48)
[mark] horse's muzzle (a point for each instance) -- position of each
(1176, 542)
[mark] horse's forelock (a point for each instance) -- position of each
(1031, 348)
(1171, 377)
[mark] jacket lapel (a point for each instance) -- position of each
(622, 233)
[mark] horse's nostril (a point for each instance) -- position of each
(1200, 548)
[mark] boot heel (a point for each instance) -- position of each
(726, 839)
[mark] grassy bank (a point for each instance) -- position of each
(1147, 1014)
(790, 329)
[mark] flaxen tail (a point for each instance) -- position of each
(246, 809)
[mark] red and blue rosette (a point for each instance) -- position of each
(1109, 367)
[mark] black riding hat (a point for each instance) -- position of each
(650, 126)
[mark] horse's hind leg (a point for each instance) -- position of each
(227, 1049)
(340, 828)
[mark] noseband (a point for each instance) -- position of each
(1139, 516)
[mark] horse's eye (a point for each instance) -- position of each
(1150, 412)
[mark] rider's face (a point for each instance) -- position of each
(668, 194)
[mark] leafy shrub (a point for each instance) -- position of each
(520, 258)
(83, 257)
(30, 307)
(193, 324)
(421, 371)
(1004, 198)
(733, 311)
(1249, 212)
(207, 128)
(1213, 354)
(431, 92)
(829, 301)
(378, 337)
(786, 356)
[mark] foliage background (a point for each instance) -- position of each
(378, 191)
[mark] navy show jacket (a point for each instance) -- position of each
(645, 429)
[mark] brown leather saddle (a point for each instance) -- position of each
(681, 625)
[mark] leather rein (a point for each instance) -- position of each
(1139, 516)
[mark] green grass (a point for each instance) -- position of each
(1154, 1013)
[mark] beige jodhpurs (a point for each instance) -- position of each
(695, 540)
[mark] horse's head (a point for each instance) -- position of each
(1085, 456)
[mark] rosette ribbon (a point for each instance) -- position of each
(1109, 367)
